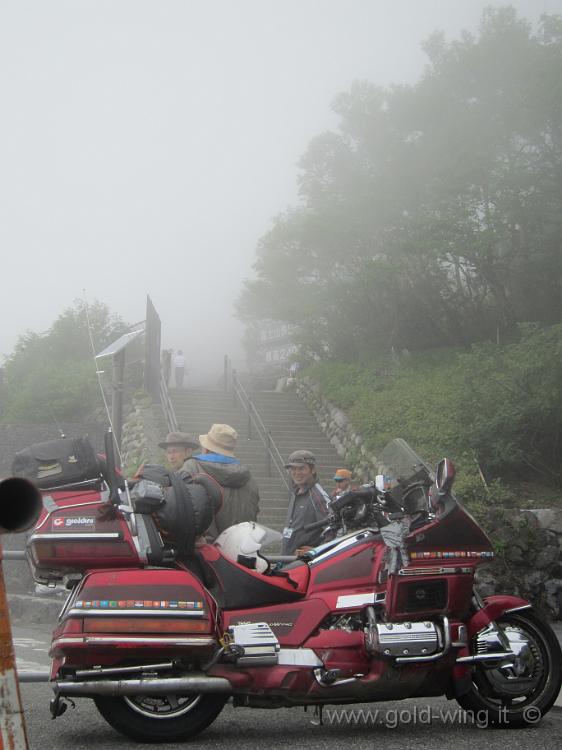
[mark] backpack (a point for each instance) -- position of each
(183, 507)
(56, 463)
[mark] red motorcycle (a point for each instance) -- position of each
(385, 609)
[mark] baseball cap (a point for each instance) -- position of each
(301, 458)
(342, 474)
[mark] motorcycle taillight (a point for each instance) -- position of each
(48, 552)
(144, 625)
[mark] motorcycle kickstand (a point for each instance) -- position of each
(59, 705)
(317, 722)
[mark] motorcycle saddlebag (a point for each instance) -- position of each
(116, 615)
(57, 463)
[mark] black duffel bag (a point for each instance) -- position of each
(184, 506)
(57, 463)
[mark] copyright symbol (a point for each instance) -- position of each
(532, 714)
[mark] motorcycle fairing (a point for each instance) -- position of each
(350, 564)
(292, 623)
(453, 529)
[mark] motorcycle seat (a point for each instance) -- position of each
(235, 587)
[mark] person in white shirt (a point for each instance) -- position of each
(179, 368)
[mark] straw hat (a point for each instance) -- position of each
(221, 438)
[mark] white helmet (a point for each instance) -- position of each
(243, 542)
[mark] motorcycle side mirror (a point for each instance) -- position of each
(445, 476)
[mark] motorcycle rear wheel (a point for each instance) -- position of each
(518, 696)
(162, 718)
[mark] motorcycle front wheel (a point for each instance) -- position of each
(162, 718)
(521, 692)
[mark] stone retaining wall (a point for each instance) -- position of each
(142, 431)
(337, 427)
(527, 542)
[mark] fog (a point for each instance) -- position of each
(146, 146)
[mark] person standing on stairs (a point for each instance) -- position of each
(179, 368)
(241, 494)
(309, 502)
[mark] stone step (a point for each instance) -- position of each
(290, 423)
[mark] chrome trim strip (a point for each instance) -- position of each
(433, 571)
(140, 612)
(360, 600)
(102, 536)
(485, 657)
(139, 640)
(518, 609)
(298, 657)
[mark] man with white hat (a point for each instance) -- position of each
(241, 494)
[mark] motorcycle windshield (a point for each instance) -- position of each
(402, 464)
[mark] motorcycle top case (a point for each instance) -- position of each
(56, 463)
(74, 534)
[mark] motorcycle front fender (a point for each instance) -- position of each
(494, 607)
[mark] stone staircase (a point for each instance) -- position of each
(290, 424)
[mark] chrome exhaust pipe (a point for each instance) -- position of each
(499, 656)
(148, 686)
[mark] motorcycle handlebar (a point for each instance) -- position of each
(317, 524)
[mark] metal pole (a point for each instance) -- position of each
(268, 452)
(249, 419)
(12, 722)
(234, 381)
(226, 373)
(117, 400)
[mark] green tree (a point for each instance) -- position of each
(510, 405)
(52, 376)
(433, 216)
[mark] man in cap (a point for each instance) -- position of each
(178, 446)
(240, 491)
(308, 503)
(342, 478)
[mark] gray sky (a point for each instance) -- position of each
(145, 146)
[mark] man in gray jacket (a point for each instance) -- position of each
(240, 491)
(308, 503)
